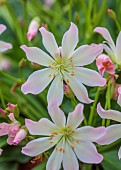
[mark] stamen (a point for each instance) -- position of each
(71, 59)
(72, 74)
(72, 147)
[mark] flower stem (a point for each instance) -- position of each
(10, 77)
(93, 107)
(2, 99)
(70, 10)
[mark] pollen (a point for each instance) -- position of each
(61, 150)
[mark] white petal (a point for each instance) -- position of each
(108, 50)
(69, 159)
(119, 153)
(76, 117)
(38, 56)
(55, 160)
(88, 133)
(37, 146)
(113, 133)
(69, 41)
(119, 96)
(87, 152)
(57, 115)
(106, 35)
(49, 42)
(4, 46)
(86, 54)
(42, 127)
(118, 48)
(89, 77)
(109, 114)
(79, 90)
(37, 81)
(2, 28)
(55, 93)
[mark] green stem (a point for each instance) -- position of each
(2, 99)
(10, 77)
(108, 98)
(70, 10)
(93, 107)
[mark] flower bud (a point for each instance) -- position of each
(33, 28)
(3, 112)
(22, 63)
(111, 14)
(68, 92)
(20, 135)
(13, 108)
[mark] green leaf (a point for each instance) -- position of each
(42, 166)
(111, 161)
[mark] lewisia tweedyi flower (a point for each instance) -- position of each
(71, 142)
(114, 51)
(113, 131)
(4, 45)
(104, 64)
(63, 65)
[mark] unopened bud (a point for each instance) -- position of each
(3, 112)
(22, 63)
(13, 108)
(111, 14)
(20, 135)
(77, 17)
(33, 28)
(68, 92)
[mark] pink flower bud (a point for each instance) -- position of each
(5, 64)
(20, 135)
(11, 107)
(104, 64)
(1, 151)
(3, 112)
(66, 89)
(33, 28)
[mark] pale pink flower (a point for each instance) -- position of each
(104, 64)
(1, 151)
(64, 65)
(3, 45)
(33, 29)
(114, 51)
(12, 130)
(71, 142)
(4, 63)
(113, 131)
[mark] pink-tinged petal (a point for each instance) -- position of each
(86, 54)
(37, 81)
(76, 117)
(56, 92)
(113, 133)
(118, 48)
(108, 50)
(69, 159)
(20, 135)
(10, 140)
(119, 96)
(70, 40)
(49, 42)
(42, 127)
(33, 29)
(88, 133)
(4, 46)
(79, 90)
(57, 115)
(55, 159)
(1, 151)
(2, 28)
(38, 56)
(37, 146)
(119, 153)
(106, 35)
(11, 117)
(87, 152)
(109, 114)
(89, 77)
(4, 128)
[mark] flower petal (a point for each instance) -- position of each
(4, 46)
(87, 152)
(38, 56)
(55, 160)
(37, 81)
(42, 127)
(88, 133)
(106, 35)
(69, 159)
(109, 114)
(119, 96)
(119, 153)
(70, 40)
(57, 115)
(49, 42)
(37, 146)
(118, 48)
(76, 117)
(113, 133)
(79, 90)
(86, 54)
(89, 77)
(2, 28)
(55, 93)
